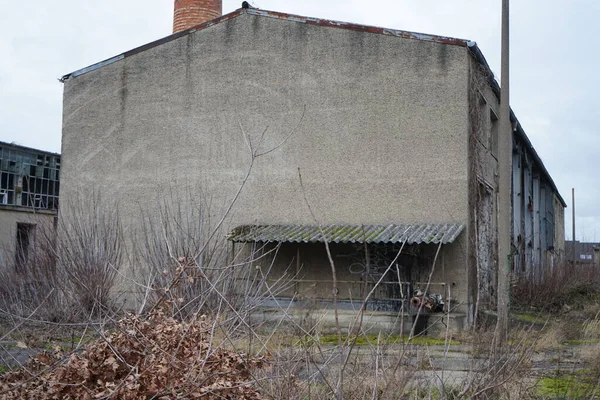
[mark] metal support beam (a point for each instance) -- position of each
(504, 182)
(573, 255)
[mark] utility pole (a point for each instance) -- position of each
(504, 183)
(573, 255)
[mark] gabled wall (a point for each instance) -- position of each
(381, 128)
(383, 138)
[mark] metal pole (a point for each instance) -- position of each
(504, 182)
(573, 255)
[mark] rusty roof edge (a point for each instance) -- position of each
(155, 43)
(476, 51)
(277, 15)
(358, 27)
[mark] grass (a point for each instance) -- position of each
(363, 340)
(567, 386)
(433, 393)
(581, 341)
(529, 318)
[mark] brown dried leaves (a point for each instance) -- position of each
(154, 357)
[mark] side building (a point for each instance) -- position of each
(583, 253)
(29, 190)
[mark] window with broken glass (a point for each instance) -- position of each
(29, 179)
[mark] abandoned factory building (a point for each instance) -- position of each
(29, 189)
(389, 136)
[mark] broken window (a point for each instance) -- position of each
(29, 179)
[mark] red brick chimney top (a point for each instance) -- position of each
(189, 13)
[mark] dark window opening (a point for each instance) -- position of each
(494, 133)
(25, 234)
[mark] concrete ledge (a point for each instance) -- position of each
(322, 321)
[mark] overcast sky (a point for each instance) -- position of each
(554, 62)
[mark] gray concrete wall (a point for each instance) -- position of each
(383, 138)
(9, 218)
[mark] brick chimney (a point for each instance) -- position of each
(189, 13)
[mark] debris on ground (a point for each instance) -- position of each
(155, 357)
(433, 302)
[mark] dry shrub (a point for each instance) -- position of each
(565, 287)
(283, 379)
(50, 295)
(70, 270)
(180, 243)
(153, 357)
(550, 338)
(297, 376)
(591, 328)
(89, 253)
(379, 380)
(34, 288)
(499, 370)
(590, 355)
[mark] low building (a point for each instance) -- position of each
(29, 191)
(583, 253)
(394, 133)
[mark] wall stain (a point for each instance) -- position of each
(189, 79)
(443, 58)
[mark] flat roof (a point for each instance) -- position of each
(31, 149)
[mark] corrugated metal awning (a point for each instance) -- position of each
(409, 233)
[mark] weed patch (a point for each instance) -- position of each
(577, 342)
(578, 385)
(529, 318)
(373, 340)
